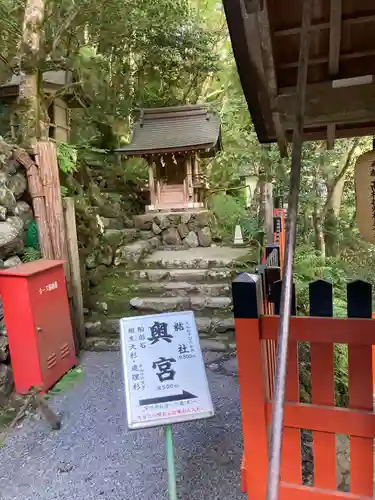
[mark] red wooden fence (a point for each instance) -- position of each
(254, 332)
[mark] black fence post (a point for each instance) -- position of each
(247, 293)
(359, 294)
(321, 298)
(272, 275)
(272, 249)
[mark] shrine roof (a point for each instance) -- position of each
(174, 129)
(340, 94)
(52, 82)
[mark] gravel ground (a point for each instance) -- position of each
(94, 456)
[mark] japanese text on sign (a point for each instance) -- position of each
(165, 377)
(49, 287)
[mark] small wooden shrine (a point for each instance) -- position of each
(63, 94)
(173, 140)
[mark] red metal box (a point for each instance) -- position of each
(37, 318)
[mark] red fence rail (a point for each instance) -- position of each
(253, 331)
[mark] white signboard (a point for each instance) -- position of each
(165, 377)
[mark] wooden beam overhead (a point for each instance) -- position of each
(331, 135)
(326, 25)
(341, 55)
(358, 130)
(316, 89)
(324, 59)
(270, 74)
(335, 37)
(334, 54)
(325, 105)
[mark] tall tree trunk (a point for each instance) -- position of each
(332, 206)
(331, 218)
(320, 244)
(331, 233)
(29, 70)
(337, 196)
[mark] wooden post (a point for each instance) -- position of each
(151, 181)
(268, 212)
(196, 176)
(266, 209)
(247, 308)
(158, 191)
(189, 179)
(75, 270)
(287, 289)
(359, 295)
(197, 166)
(49, 174)
(37, 195)
(323, 387)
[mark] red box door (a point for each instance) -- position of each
(52, 323)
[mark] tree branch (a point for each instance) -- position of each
(64, 27)
(62, 91)
(55, 64)
(346, 164)
(4, 60)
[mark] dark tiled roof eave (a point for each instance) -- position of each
(134, 152)
(177, 129)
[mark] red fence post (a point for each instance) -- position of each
(323, 387)
(247, 307)
(291, 466)
(360, 390)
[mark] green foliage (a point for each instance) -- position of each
(127, 55)
(354, 263)
(67, 157)
(124, 55)
(228, 211)
(32, 237)
(135, 171)
(68, 381)
(341, 374)
(30, 254)
(251, 230)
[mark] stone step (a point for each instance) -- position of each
(185, 275)
(194, 302)
(195, 258)
(183, 288)
(206, 325)
(213, 348)
(132, 253)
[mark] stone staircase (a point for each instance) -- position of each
(196, 279)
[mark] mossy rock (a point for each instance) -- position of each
(105, 255)
(96, 275)
(117, 237)
(110, 210)
(91, 260)
(95, 195)
(115, 290)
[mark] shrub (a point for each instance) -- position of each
(230, 211)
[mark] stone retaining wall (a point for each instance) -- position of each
(178, 229)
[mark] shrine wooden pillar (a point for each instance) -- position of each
(151, 180)
(195, 177)
(190, 190)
